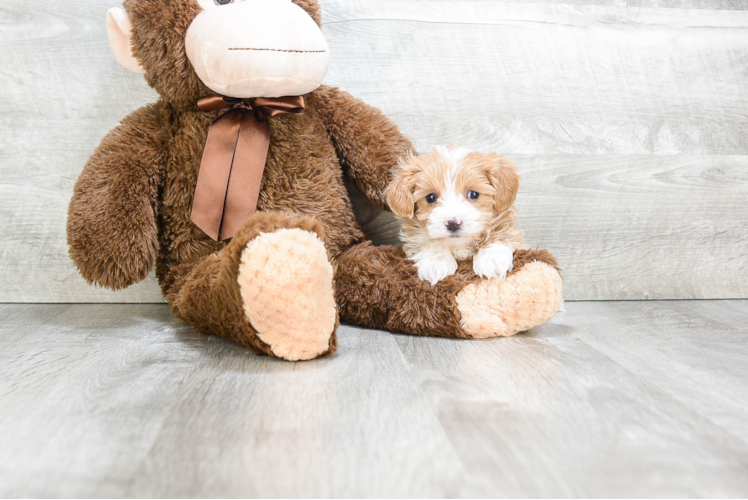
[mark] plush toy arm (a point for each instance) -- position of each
(111, 225)
(368, 144)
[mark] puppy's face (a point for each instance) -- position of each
(453, 193)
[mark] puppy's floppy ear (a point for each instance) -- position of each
(503, 176)
(400, 191)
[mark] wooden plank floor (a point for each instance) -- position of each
(611, 399)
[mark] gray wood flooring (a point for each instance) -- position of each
(611, 399)
(627, 119)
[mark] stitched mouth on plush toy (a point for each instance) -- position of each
(279, 50)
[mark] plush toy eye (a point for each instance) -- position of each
(223, 2)
(431, 198)
(473, 195)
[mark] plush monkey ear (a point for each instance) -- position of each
(119, 31)
(504, 178)
(400, 194)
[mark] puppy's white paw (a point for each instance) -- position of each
(493, 261)
(436, 267)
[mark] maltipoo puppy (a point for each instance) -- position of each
(456, 204)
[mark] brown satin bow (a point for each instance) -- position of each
(228, 184)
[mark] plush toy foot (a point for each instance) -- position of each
(286, 284)
(378, 287)
(503, 307)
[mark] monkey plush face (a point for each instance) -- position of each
(236, 48)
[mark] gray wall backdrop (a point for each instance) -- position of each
(628, 119)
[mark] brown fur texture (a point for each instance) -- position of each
(372, 280)
(131, 205)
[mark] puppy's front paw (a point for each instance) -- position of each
(493, 261)
(434, 268)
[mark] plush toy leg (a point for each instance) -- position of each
(378, 287)
(270, 289)
(525, 299)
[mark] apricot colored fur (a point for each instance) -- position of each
(131, 205)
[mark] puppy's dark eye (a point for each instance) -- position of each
(431, 198)
(473, 195)
(223, 2)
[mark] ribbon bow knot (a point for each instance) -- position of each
(228, 185)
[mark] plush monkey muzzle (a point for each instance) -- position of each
(268, 52)
(257, 48)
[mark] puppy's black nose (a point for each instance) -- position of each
(453, 225)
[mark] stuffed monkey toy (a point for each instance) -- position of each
(232, 186)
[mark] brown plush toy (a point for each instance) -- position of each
(279, 279)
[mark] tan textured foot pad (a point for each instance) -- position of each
(500, 308)
(285, 280)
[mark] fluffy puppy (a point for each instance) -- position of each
(456, 204)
